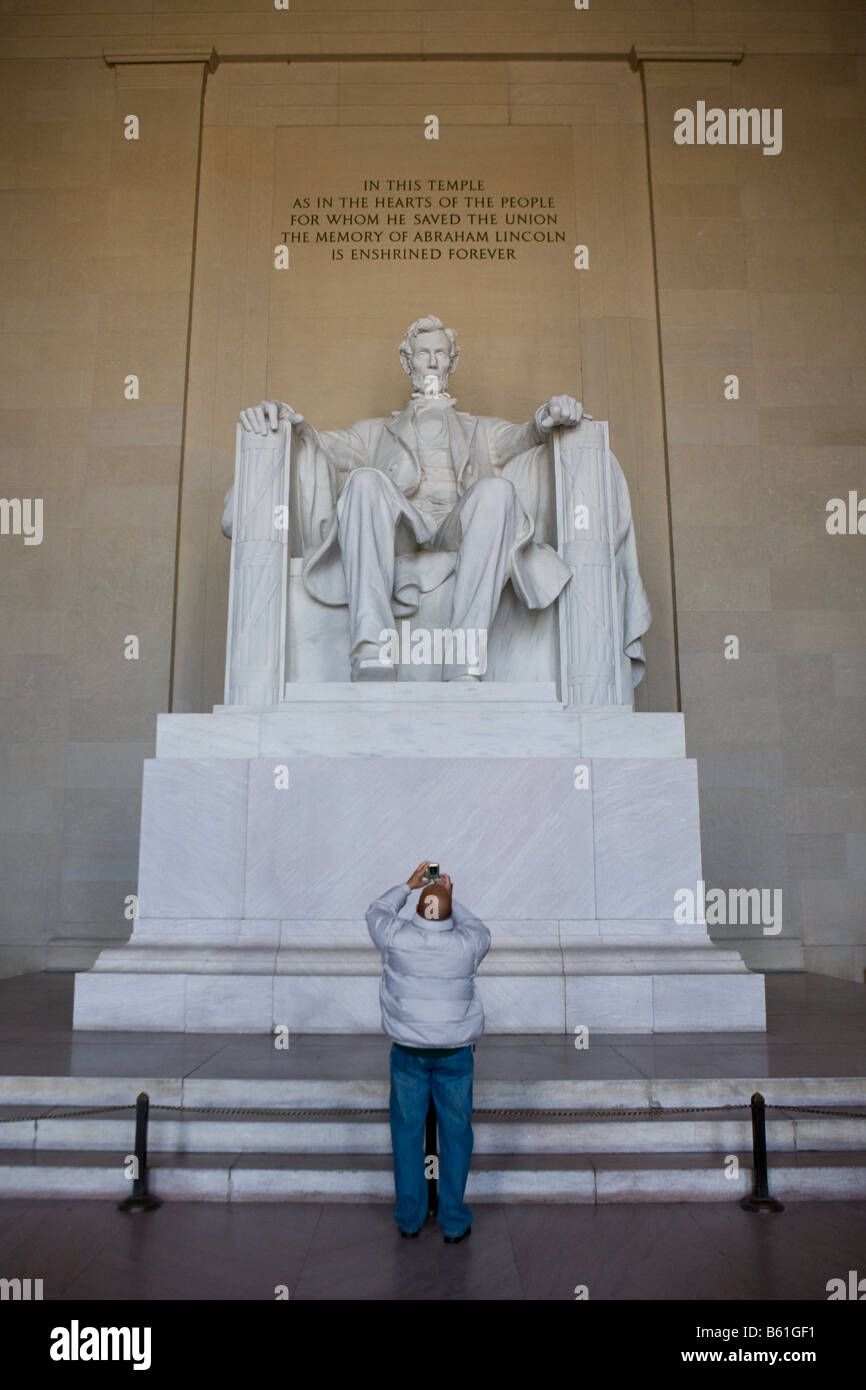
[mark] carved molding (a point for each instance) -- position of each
(684, 55)
(116, 59)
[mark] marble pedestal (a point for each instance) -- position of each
(266, 833)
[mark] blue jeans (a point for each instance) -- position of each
(449, 1080)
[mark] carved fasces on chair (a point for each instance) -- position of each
(258, 582)
(590, 627)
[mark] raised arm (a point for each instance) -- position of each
(383, 917)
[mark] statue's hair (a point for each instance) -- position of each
(429, 324)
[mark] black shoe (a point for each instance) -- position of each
(410, 1235)
(455, 1240)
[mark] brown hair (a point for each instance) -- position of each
(443, 896)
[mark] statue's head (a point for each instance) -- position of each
(428, 354)
(434, 903)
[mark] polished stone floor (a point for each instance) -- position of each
(207, 1250)
(816, 1026)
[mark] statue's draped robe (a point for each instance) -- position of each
(481, 447)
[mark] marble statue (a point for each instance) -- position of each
(390, 508)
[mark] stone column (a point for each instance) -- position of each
(590, 638)
(259, 569)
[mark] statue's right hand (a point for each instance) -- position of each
(266, 417)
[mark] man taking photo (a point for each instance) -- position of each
(432, 1012)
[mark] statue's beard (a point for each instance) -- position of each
(430, 383)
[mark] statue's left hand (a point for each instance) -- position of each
(558, 412)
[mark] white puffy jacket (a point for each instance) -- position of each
(428, 993)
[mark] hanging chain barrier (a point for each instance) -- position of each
(352, 1112)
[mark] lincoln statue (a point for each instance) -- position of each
(391, 508)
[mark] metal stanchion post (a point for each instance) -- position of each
(760, 1200)
(140, 1200)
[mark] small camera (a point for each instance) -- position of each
(432, 871)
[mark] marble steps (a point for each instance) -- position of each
(714, 1132)
(536, 1156)
(501, 1178)
(323, 1089)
